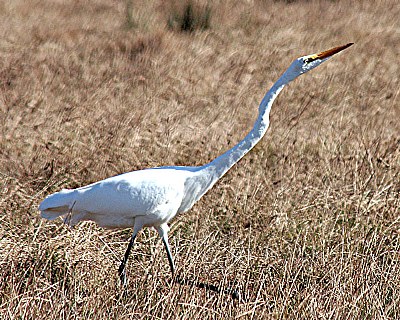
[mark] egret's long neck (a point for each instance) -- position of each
(218, 167)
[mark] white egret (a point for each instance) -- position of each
(152, 197)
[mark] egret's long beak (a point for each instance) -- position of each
(328, 53)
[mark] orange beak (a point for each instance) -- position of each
(328, 53)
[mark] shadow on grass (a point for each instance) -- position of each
(210, 287)
(231, 291)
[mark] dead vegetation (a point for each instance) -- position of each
(305, 226)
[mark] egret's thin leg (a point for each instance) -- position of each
(170, 259)
(121, 269)
(163, 232)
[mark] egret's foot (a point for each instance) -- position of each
(235, 295)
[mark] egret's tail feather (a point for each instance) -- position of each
(54, 213)
(57, 204)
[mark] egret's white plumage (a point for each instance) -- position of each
(152, 197)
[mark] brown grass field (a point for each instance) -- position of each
(306, 226)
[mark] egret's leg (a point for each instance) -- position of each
(170, 259)
(121, 269)
(163, 232)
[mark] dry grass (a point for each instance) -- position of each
(305, 226)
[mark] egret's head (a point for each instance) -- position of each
(307, 63)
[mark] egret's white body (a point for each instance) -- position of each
(149, 197)
(152, 197)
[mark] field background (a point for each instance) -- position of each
(305, 226)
